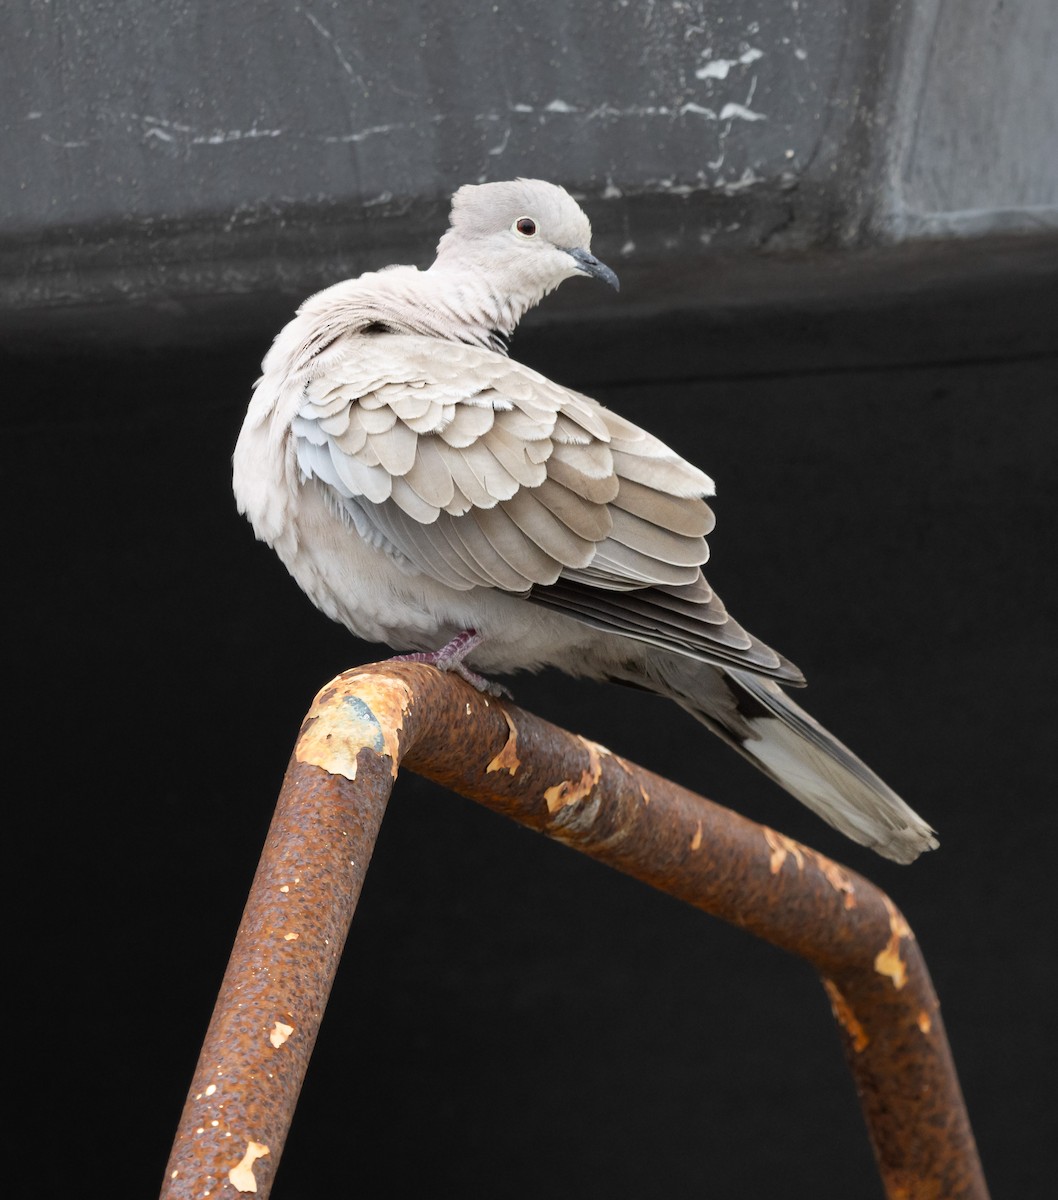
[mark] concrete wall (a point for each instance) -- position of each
(173, 168)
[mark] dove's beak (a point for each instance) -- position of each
(588, 264)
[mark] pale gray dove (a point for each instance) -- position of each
(426, 491)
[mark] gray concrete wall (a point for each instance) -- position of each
(974, 143)
(174, 168)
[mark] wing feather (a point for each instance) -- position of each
(547, 531)
(521, 553)
(671, 474)
(494, 477)
(587, 520)
(467, 425)
(361, 478)
(469, 479)
(617, 566)
(336, 400)
(510, 452)
(473, 547)
(337, 423)
(420, 545)
(408, 499)
(690, 517)
(375, 420)
(655, 542)
(409, 405)
(396, 448)
(431, 421)
(429, 475)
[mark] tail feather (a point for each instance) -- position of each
(757, 718)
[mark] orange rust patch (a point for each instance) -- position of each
(507, 759)
(838, 878)
(845, 1017)
(781, 847)
(925, 1022)
(925, 1189)
(571, 791)
(349, 715)
(888, 961)
(628, 770)
(241, 1175)
(696, 841)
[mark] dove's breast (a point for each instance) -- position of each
(371, 592)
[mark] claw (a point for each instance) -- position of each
(450, 658)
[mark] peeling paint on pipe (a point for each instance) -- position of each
(371, 720)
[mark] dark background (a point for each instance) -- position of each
(511, 1018)
(858, 344)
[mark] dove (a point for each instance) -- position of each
(434, 495)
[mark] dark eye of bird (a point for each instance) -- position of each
(526, 226)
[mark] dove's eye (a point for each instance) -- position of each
(526, 226)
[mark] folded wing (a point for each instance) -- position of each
(479, 472)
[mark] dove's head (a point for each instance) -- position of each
(525, 237)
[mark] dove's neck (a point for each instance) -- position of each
(479, 310)
(454, 303)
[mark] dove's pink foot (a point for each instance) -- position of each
(450, 658)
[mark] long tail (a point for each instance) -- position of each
(757, 718)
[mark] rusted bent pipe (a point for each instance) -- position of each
(368, 721)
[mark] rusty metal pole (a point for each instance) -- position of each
(278, 980)
(370, 720)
